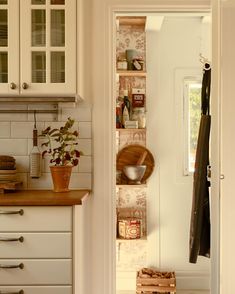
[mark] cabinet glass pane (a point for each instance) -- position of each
(3, 28)
(39, 67)
(3, 67)
(57, 2)
(38, 2)
(57, 28)
(3, 1)
(38, 27)
(57, 67)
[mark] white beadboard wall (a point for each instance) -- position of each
(16, 140)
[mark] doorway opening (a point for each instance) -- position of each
(157, 81)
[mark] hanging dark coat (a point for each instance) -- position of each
(200, 215)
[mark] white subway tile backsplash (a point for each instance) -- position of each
(44, 182)
(5, 129)
(22, 164)
(7, 117)
(85, 130)
(16, 139)
(14, 147)
(80, 181)
(85, 164)
(79, 114)
(84, 145)
(24, 129)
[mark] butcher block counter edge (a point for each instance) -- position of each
(43, 198)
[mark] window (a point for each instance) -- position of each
(192, 115)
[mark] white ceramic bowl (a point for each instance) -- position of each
(134, 173)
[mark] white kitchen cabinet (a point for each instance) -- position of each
(36, 248)
(37, 47)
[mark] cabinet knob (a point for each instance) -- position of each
(12, 86)
(25, 86)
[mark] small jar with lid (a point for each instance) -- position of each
(138, 114)
(122, 64)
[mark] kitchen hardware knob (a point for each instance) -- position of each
(9, 266)
(20, 239)
(12, 292)
(25, 86)
(20, 212)
(13, 87)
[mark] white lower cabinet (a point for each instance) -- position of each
(36, 248)
(37, 290)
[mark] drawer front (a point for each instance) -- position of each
(35, 218)
(35, 245)
(36, 272)
(37, 290)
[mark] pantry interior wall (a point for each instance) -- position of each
(172, 54)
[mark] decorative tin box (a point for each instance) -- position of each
(129, 228)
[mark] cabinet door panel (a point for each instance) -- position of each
(36, 272)
(9, 47)
(36, 219)
(38, 289)
(35, 245)
(48, 47)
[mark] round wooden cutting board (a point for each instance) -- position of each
(131, 154)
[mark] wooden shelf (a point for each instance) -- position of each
(131, 130)
(132, 20)
(130, 73)
(120, 240)
(126, 186)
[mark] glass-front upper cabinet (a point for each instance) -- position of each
(46, 46)
(9, 56)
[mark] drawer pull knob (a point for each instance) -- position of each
(6, 266)
(20, 239)
(10, 292)
(20, 212)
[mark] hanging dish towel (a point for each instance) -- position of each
(200, 215)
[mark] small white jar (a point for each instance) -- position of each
(138, 114)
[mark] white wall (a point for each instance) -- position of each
(172, 54)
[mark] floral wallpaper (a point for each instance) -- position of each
(131, 255)
(131, 37)
(129, 137)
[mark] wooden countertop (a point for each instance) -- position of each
(43, 198)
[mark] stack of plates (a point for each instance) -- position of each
(7, 169)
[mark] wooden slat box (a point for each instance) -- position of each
(151, 281)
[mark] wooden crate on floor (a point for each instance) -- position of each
(150, 281)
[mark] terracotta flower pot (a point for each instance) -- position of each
(61, 177)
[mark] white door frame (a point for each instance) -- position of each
(104, 141)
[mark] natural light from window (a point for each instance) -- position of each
(192, 108)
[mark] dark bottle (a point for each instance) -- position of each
(126, 108)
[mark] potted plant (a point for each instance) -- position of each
(61, 145)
